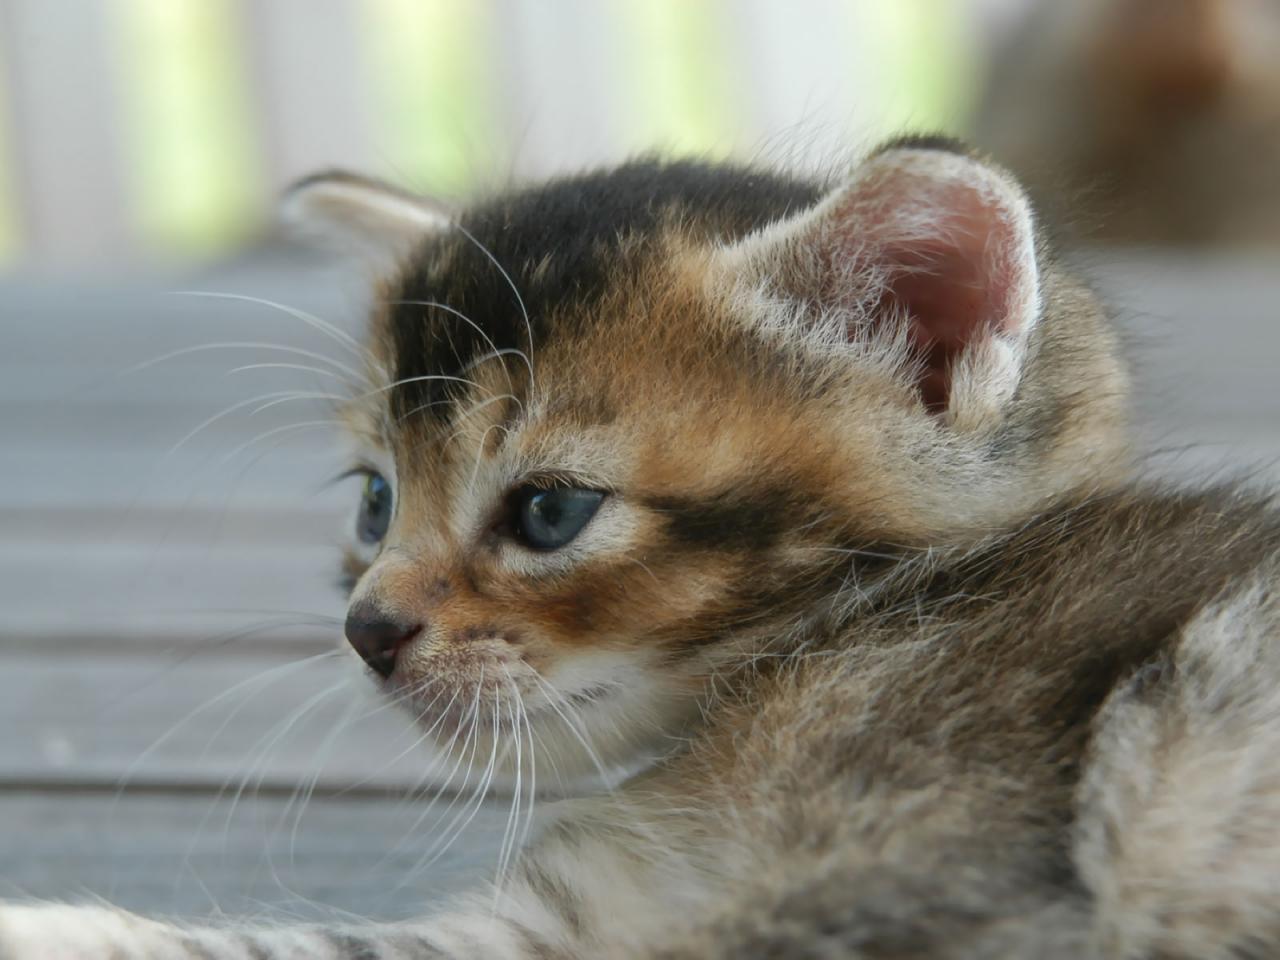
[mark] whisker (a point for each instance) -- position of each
(495, 354)
(421, 407)
(417, 742)
(441, 788)
(287, 724)
(276, 735)
(287, 428)
(282, 396)
(470, 808)
(552, 695)
(533, 767)
(480, 405)
(528, 326)
(471, 722)
(513, 814)
(424, 378)
(246, 345)
(307, 787)
(295, 395)
(311, 320)
(478, 329)
(271, 675)
(302, 367)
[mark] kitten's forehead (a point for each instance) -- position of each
(532, 267)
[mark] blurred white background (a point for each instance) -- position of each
(135, 129)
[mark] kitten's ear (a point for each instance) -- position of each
(926, 251)
(351, 213)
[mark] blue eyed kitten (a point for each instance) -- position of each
(810, 507)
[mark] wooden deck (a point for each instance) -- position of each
(165, 694)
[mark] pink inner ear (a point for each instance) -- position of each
(958, 284)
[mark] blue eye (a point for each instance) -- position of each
(375, 509)
(548, 519)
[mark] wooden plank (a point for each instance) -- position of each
(185, 584)
(211, 719)
(193, 856)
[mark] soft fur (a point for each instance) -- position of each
(884, 650)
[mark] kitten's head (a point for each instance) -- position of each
(631, 429)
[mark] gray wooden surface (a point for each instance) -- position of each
(172, 681)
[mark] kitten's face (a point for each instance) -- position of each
(628, 431)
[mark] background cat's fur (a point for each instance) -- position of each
(913, 668)
(1140, 122)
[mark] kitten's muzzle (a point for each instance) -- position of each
(378, 637)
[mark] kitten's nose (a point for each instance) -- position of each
(377, 637)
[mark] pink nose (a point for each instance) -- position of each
(377, 637)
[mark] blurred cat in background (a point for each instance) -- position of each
(1149, 122)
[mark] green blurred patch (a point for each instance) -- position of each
(10, 244)
(919, 64)
(434, 74)
(680, 94)
(195, 183)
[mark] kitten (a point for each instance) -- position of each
(811, 508)
(1149, 121)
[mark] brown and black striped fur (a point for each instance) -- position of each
(899, 658)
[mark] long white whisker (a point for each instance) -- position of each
(302, 367)
(403, 381)
(440, 759)
(417, 742)
(287, 428)
(247, 345)
(309, 319)
(552, 695)
(481, 404)
(270, 676)
(478, 329)
(513, 814)
(495, 354)
(263, 752)
(467, 812)
(293, 396)
(306, 789)
(425, 406)
(528, 326)
(440, 788)
(471, 722)
(220, 415)
(474, 805)
(533, 766)
(256, 756)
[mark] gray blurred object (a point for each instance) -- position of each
(168, 607)
(1150, 122)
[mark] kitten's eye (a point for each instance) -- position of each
(375, 509)
(548, 519)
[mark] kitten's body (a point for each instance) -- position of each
(912, 668)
